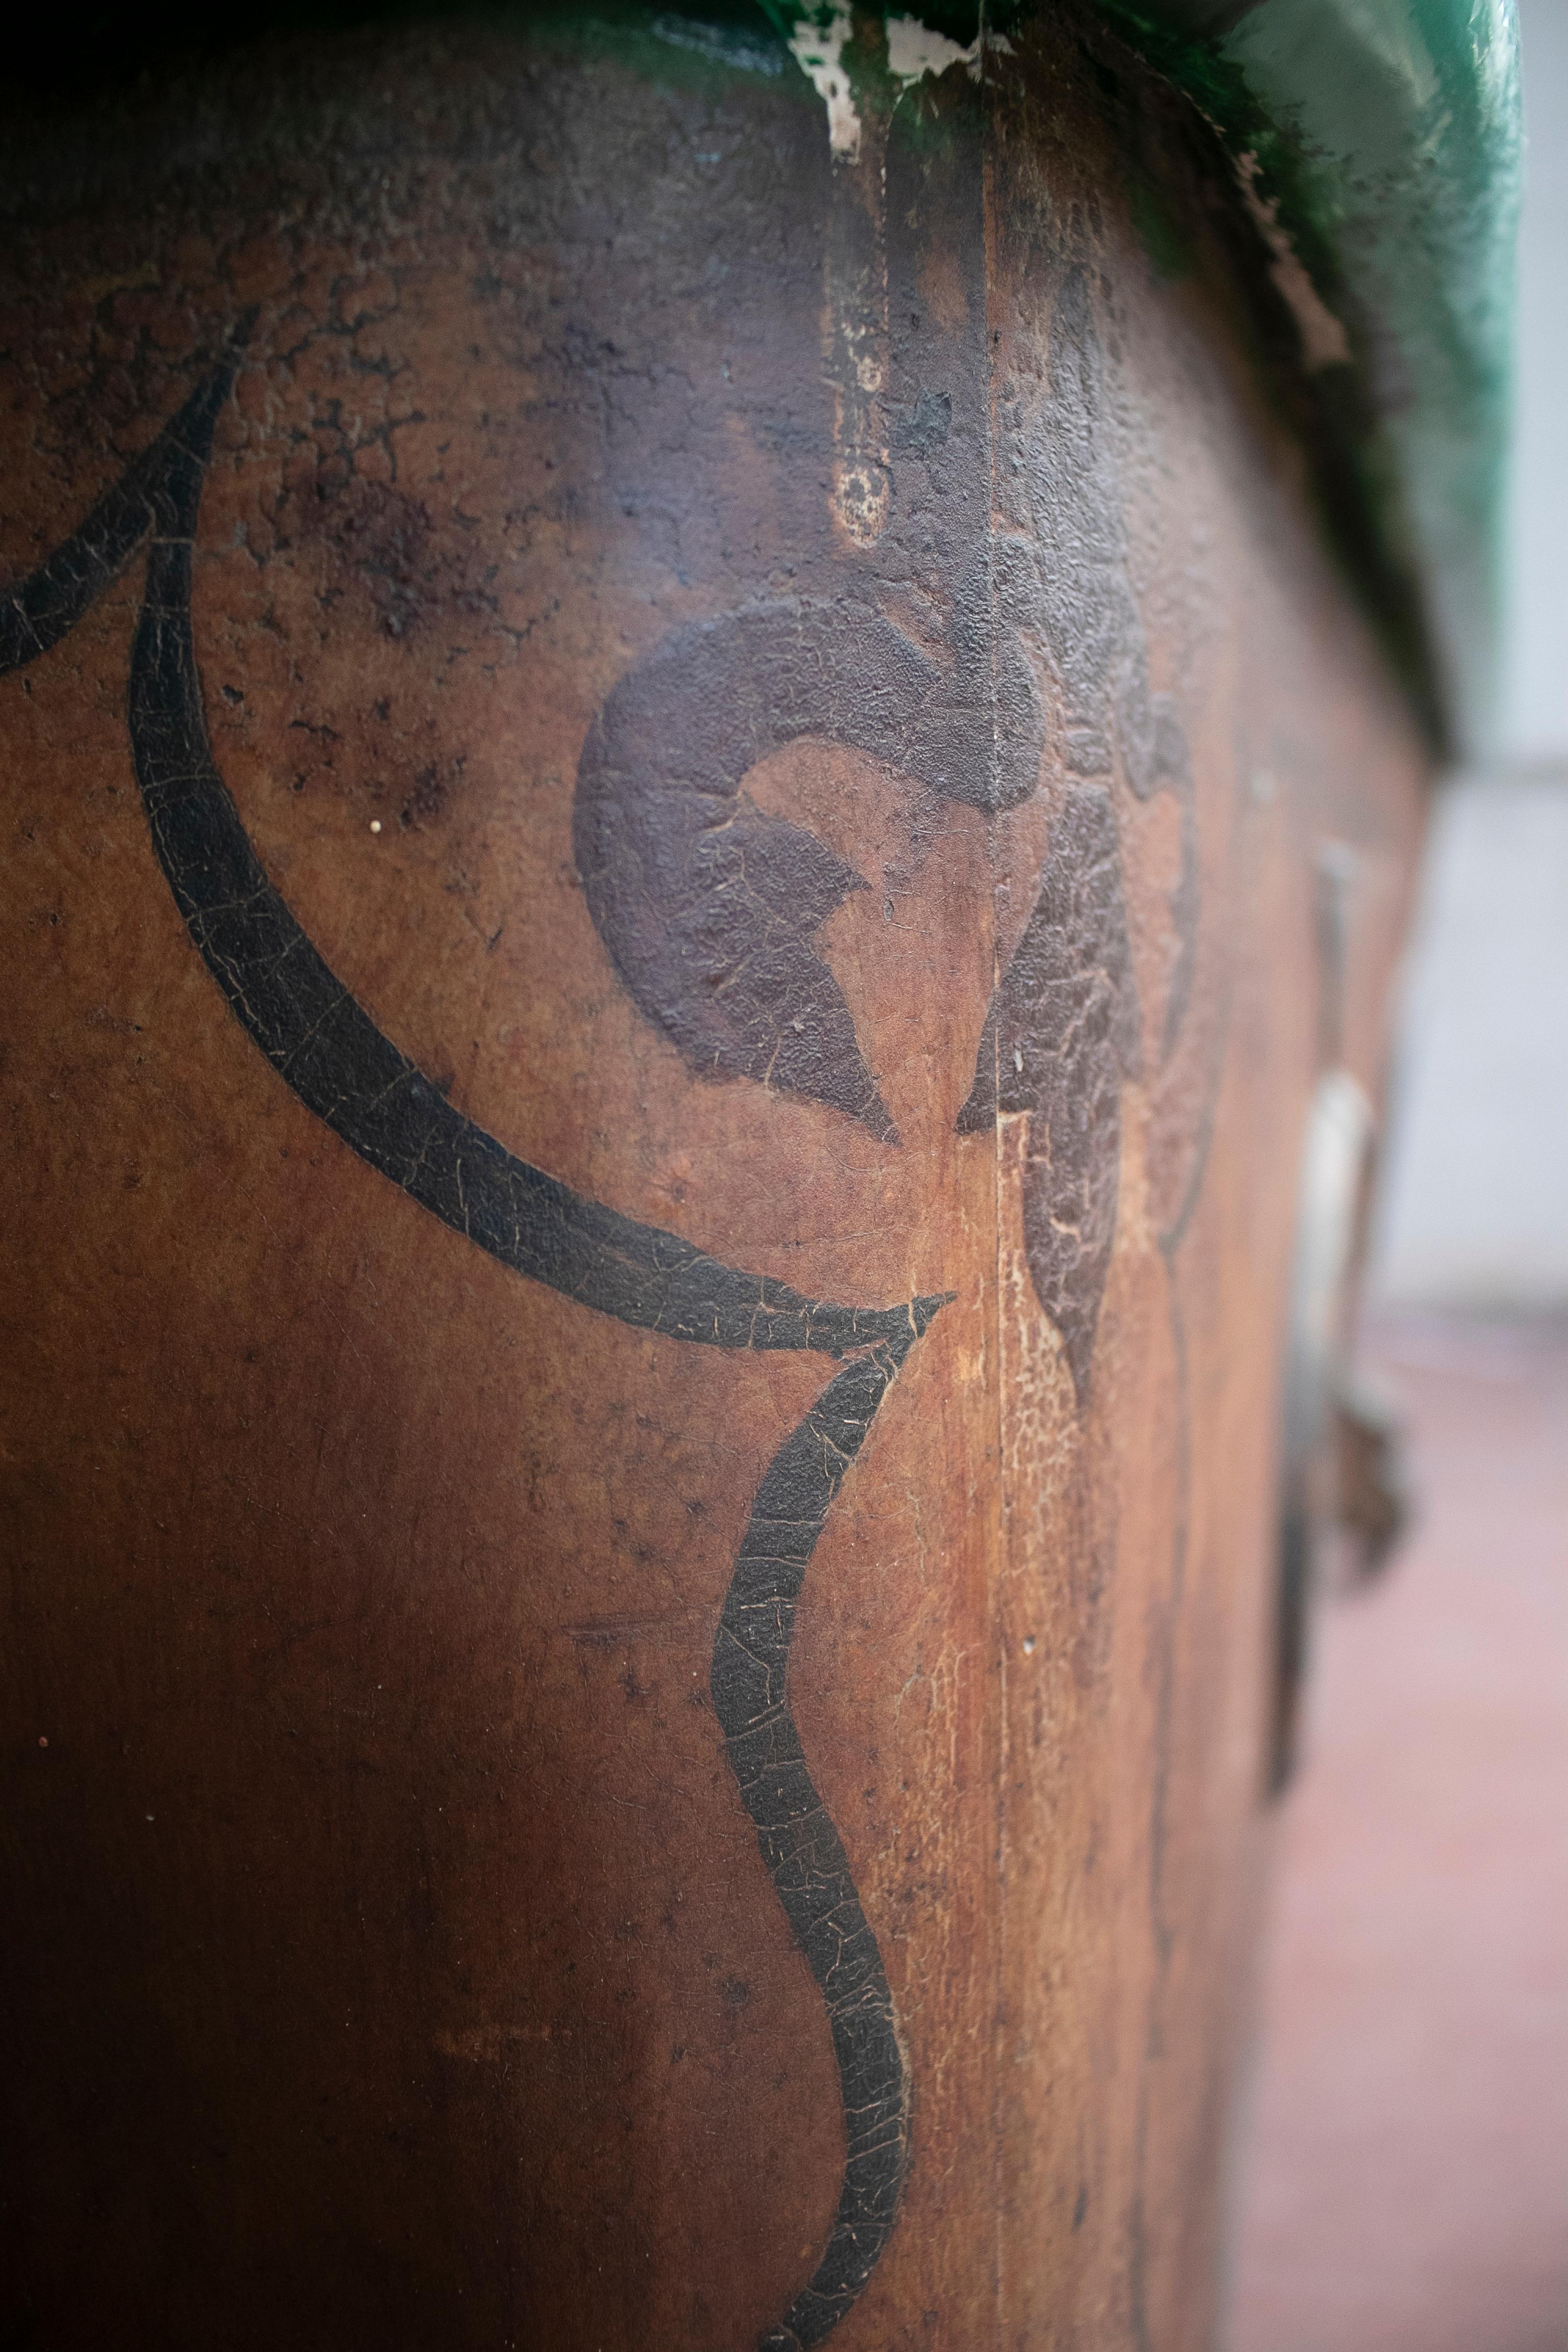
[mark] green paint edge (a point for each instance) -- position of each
(1383, 136)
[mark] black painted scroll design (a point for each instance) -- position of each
(709, 906)
(804, 1856)
(1061, 1034)
(906, 645)
(155, 494)
(1069, 496)
(1063, 1030)
(351, 1076)
(344, 1069)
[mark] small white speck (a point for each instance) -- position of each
(1028, 1645)
(149, 1816)
(1018, 1057)
(375, 824)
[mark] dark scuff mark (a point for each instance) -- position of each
(1061, 1034)
(381, 539)
(926, 426)
(428, 799)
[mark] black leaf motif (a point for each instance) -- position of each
(711, 909)
(1061, 1034)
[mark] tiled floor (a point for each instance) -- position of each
(1407, 2185)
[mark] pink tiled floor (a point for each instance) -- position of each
(1405, 2188)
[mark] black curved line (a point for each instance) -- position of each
(305, 1021)
(802, 1851)
(156, 493)
(343, 1069)
(379, 1103)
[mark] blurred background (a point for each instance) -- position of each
(1406, 2187)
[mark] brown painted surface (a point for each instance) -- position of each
(392, 1958)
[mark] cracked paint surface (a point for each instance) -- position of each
(745, 731)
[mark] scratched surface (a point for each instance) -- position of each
(633, 756)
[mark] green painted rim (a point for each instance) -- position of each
(1383, 139)
(1370, 151)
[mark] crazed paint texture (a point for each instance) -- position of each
(710, 907)
(1063, 1031)
(1066, 489)
(1061, 1034)
(340, 1066)
(638, 1501)
(805, 1855)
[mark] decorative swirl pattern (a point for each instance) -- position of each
(802, 1851)
(710, 908)
(351, 1076)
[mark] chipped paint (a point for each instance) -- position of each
(1324, 342)
(818, 50)
(914, 50)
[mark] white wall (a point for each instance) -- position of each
(1474, 1209)
(1535, 693)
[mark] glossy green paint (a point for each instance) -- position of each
(1384, 139)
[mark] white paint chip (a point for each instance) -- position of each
(1324, 342)
(818, 50)
(914, 50)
